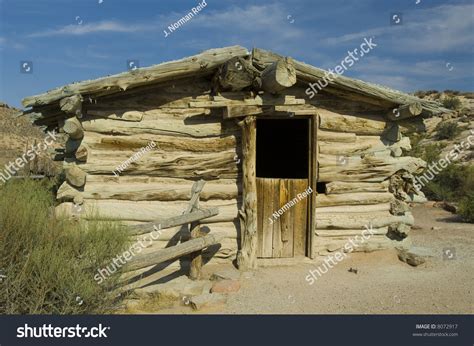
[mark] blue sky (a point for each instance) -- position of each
(73, 40)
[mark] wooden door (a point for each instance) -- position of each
(281, 223)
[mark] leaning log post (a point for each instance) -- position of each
(247, 256)
(195, 268)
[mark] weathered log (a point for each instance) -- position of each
(348, 87)
(247, 257)
(178, 165)
(338, 187)
(333, 136)
(82, 153)
(351, 208)
(195, 267)
(326, 245)
(206, 61)
(72, 105)
(361, 125)
(183, 219)
(73, 128)
(169, 126)
(236, 74)
(360, 220)
(147, 189)
(117, 115)
(370, 169)
(146, 260)
(98, 141)
(148, 211)
(359, 198)
(75, 176)
(349, 232)
(278, 76)
(241, 111)
(405, 111)
(363, 145)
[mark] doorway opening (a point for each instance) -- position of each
(283, 171)
(282, 148)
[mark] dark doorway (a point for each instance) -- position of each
(282, 178)
(282, 148)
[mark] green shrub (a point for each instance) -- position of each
(48, 263)
(466, 208)
(452, 184)
(447, 130)
(451, 102)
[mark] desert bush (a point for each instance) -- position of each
(466, 208)
(48, 263)
(451, 102)
(452, 184)
(447, 130)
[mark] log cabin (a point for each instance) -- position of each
(294, 172)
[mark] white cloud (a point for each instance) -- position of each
(439, 29)
(89, 28)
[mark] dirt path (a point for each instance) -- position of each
(382, 285)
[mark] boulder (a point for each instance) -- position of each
(414, 256)
(225, 286)
(208, 301)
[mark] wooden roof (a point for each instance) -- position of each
(208, 62)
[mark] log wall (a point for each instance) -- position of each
(357, 158)
(191, 144)
(359, 155)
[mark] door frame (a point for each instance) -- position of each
(313, 169)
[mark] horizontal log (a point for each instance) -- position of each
(206, 61)
(360, 220)
(131, 115)
(338, 187)
(326, 245)
(228, 230)
(147, 211)
(162, 164)
(360, 198)
(353, 208)
(333, 136)
(98, 141)
(371, 169)
(190, 246)
(174, 221)
(362, 125)
(363, 145)
(349, 232)
(147, 189)
(197, 128)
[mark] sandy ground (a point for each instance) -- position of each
(382, 285)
